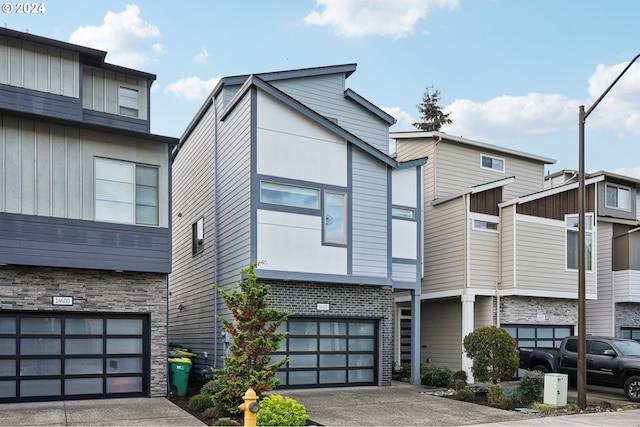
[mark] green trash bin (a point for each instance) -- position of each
(179, 374)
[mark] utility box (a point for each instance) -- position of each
(555, 389)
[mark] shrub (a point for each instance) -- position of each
(493, 352)
(402, 372)
(200, 402)
(531, 387)
(276, 410)
(210, 388)
(494, 395)
(460, 375)
(436, 376)
(506, 403)
(459, 384)
(542, 408)
(464, 394)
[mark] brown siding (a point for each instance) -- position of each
(486, 202)
(558, 205)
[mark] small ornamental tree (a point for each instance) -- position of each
(253, 336)
(492, 350)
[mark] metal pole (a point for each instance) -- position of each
(582, 321)
(582, 337)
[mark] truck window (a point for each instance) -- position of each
(598, 347)
(571, 345)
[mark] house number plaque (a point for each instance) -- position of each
(62, 300)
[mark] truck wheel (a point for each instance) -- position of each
(632, 388)
(542, 368)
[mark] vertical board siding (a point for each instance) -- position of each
(325, 95)
(600, 315)
(62, 185)
(42, 68)
(507, 267)
(100, 91)
(370, 212)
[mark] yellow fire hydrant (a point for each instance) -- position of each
(250, 407)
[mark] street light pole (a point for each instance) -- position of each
(582, 321)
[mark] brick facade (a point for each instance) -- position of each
(349, 301)
(627, 316)
(27, 288)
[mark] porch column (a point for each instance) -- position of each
(468, 302)
(415, 336)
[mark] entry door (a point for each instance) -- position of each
(72, 356)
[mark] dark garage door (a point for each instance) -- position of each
(63, 356)
(329, 353)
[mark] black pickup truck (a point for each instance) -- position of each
(611, 362)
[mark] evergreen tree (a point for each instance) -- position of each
(254, 337)
(431, 116)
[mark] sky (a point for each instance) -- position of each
(512, 73)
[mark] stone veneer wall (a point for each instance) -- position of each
(527, 310)
(627, 315)
(372, 302)
(27, 288)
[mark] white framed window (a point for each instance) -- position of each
(618, 197)
(289, 195)
(403, 213)
(572, 234)
(126, 192)
(197, 235)
(479, 224)
(335, 217)
(493, 163)
(128, 101)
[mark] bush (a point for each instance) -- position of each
(506, 403)
(494, 395)
(210, 388)
(436, 376)
(200, 402)
(493, 352)
(276, 410)
(464, 394)
(460, 375)
(531, 387)
(402, 372)
(459, 384)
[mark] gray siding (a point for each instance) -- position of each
(41, 68)
(100, 91)
(441, 333)
(59, 242)
(600, 315)
(369, 212)
(403, 272)
(113, 120)
(43, 103)
(227, 237)
(325, 94)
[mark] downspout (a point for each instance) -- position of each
(435, 168)
(499, 281)
(216, 234)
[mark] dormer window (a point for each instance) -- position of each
(493, 163)
(618, 197)
(128, 101)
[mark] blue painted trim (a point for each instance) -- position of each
(375, 110)
(420, 221)
(407, 261)
(324, 278)
(349, 209)
(254, 178)
(389, 223)
(40, 103)
(115, 120)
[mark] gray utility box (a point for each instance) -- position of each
(555, 389)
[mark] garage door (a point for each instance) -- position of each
(329, 353)
(72, 356)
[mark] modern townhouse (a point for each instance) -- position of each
(466, 280)
(615, 257)
(290, 168)
(85, 231)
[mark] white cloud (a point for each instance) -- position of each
(359, 18)
(508, 117)
(127, 39)
(191, 88)
(202, 56)
(632, 172)
(404, 121)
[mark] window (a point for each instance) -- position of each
(198, 236)
(493, 163)
(128, 101)
(404, 213)
(126, 192)
(289, 195)
(335, 214)
(571, 223)
(485, 225)
(618, 197)
(630, 333)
